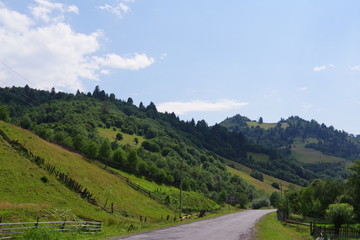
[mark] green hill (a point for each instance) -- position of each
(323, 150)
(31, 191)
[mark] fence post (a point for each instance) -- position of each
(37, 222)
(112, 207)
(140, 218)
(105, 204)
(145, 219)
(168, 216)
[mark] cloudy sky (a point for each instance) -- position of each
(200, 59)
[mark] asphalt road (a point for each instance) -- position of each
(235, 226)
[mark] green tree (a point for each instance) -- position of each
(105, 149)
(133, 159)
(119, 157)
(353, 186)
(340, 213)
(78, 142)
(261, 121)
(274, 198)
(119, 136)
(4, 114)
(91, 149)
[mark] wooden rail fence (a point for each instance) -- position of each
(8, 230)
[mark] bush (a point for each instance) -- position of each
(275, 185)
(119, 136)
(340, 213)
(274, 198)
(260, 202)
(257, 175)
(150, 146)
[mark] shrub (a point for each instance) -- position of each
(257, 175)
(340, 213)
(260, 202)
(275, 185)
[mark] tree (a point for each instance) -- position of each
(78, 142)
(340, 213)
(119, 157)
(91, 149)
(261, 121)
(274, 198)
(133, 159)
(105, 149)
(4, 114)
(354, 186)
(130, 101)
(119, 136)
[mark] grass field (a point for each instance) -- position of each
(25, 196)
(268, 228)
(265, 126)
(309, 155)
(244, 173)
(110, 134)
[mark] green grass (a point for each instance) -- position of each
(110, 134)
(265, 126)
(260, 157)
(309, 155)
(25, 197)
(103, 185)
(268, 228)
(244, 173)
(191, 200)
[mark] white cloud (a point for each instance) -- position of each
(49, 53)
(73, 9)
(135, 62)
(302, 89)
(306, 107)
(356, 68)
(47, 11)
(181, 108)
(119, 9)
(163, 56)
(322, 68)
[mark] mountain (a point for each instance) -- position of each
(136, 139)
(321, 149)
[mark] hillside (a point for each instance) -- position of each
(321, 149)
(140, 140)
(32, 191)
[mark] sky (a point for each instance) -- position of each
(200, 59)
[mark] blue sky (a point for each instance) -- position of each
(200, 59)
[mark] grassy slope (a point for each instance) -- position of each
(265, 126)
(24, 194)
(127, 138)
(103, 185)
(268, 228)
(309, 155)
(244, 173)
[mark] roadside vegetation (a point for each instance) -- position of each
(269, 228)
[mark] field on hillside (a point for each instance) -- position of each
(265, 126)
(110, 134)
(104, 186)
(30, 191)
(309, 155)
(244, 173)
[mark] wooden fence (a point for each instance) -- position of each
(330, 231)
(8, 230)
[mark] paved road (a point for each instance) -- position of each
(235, 226)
